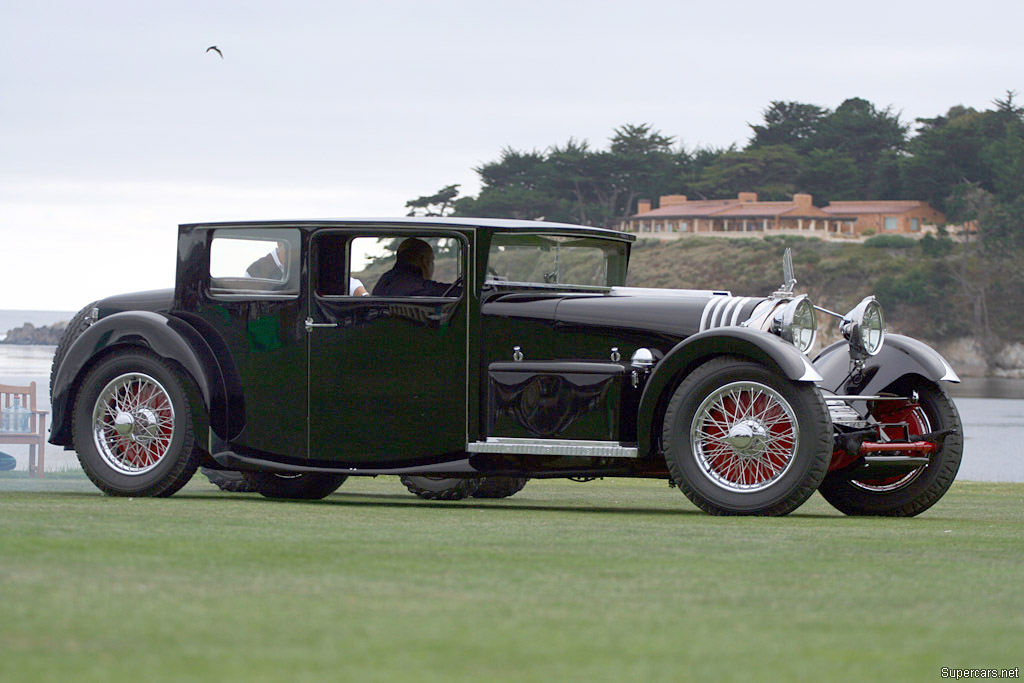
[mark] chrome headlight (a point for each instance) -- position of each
(797, 323)
(864, 326)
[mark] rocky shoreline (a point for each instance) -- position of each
(967, 357)
(29, 334)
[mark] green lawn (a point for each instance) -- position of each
(610, 580)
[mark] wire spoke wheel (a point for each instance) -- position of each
(893, 414)
(927, 409)
(740, 439)
(133, 423)
(744, 436)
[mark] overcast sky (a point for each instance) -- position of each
(116, 124)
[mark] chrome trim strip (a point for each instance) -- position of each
(707, 317)
(718, 320)
(858, 397)
(739, 307)
(704, 314)
(950, 375)
(811, 373)
(581, 449)
(656, 291)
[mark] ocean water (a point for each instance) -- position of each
(992, 413)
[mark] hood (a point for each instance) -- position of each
(674, 313)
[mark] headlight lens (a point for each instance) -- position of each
(864, 326)
(797, 323)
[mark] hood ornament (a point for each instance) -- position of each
(786, 290)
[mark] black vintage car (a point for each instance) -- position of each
(519, 353)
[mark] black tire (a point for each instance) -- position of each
(500, 487)
(740, 439)
(132, 426)
(75, 328)
(228, 480)
(915, 492)
(441, 488)
(299, 486)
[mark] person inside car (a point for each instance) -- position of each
(410, 276)
(269, 267)
(355, 287)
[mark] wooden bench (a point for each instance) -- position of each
(31, 429)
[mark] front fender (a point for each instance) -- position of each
(168, 337)
(900, 356)
(694, 350)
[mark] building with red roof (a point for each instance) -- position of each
(888, 217)
(677, 214)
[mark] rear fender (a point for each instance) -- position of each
(168, 337)
(900, 356)
(755, 345)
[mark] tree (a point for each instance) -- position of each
(438, 204)
(829, 175)
(512, 187)
(772, 172)
(945, 153)
(873, 138)
(576, 183)
(788, 123)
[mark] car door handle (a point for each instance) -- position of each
(310, 324)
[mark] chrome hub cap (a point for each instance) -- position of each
(133, 423)
(744, 436)
(123, 424)
(747, 438)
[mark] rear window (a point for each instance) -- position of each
(255, 262)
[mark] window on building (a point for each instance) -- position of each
(891, 223)
(915, 224)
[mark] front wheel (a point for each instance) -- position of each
(132, 427)
(297, 486)
(912, 493)
(740, 439)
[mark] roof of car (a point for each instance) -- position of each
(501, 224)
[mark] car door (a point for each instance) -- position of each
(253, 307)
(387, 374)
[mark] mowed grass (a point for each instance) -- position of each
(605, 581)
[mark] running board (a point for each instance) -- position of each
(577, 449)
(233, 461)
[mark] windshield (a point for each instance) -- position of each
(535, 258)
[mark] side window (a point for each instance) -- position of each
(404, 265)
(253, 261)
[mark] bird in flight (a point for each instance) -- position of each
(215, 49)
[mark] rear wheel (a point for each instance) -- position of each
(299, 486)
(441, 488)
(132, 427)
(912, 493)
(228, 480)
(741, 440)
(500, 487)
